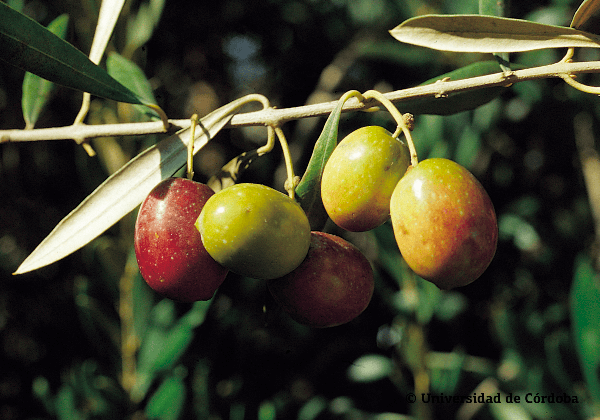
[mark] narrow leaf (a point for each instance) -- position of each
(26, 44)
(37, 91)
(124, 190)
(131, 76)
(586, 10)
(107, 19)
(585, 315)
(231, 171)
(141, 27)
(496, 8)
(309, 188)
(488, 34)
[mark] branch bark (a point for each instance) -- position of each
(275, 116)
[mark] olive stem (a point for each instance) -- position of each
(190, 148)
(400, 120)
(292, 181)
(270, 115)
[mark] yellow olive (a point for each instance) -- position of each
(360, 176)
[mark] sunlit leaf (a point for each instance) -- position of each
(37, 91)
(585, 315)
(488, 34)
(586, 10)
(26, 44)
(370, 368)
(131, 76)
(124, 190)
(107, 19)
(309, 189)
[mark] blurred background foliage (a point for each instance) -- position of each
(86, 338)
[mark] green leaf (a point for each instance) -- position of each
(131, 76)
(585, 315)
(168, 400)
(28, 45)
(309, 188)
(492, 7)
(165, 342)
(124, 190)
(496, 8)
(586, 10)
(370, 368)
(488, 34)
(141, 27)
(461, 101)
(37, 91)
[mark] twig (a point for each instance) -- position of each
(275, 116)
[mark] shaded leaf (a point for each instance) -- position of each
(165, 343)
(586, 10)
(167, 402)
(461, 101)
(309, 188)
(231, 171)
(131, 76)
(488, 34)
(492, 7)
(496, 8)
(141, 27)
(30, 46)
(124, 190)
(37, 91)
(585, 315)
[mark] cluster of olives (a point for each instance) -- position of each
(443, 219)
(187, 239)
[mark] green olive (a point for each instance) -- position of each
(254, 231)
(360, 176)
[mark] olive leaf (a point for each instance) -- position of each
(130, 75)
(488, 34)
(107, 19)
(26, 44)
(460, 101)
(309, 188)
(37, 91)
(232, 170)
(165, 341)
(586, 10)
(585, 315)
(124, 190)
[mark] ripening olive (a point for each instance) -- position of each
(332, 286)
(360, 176)
(444, 223)
(169, 249)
